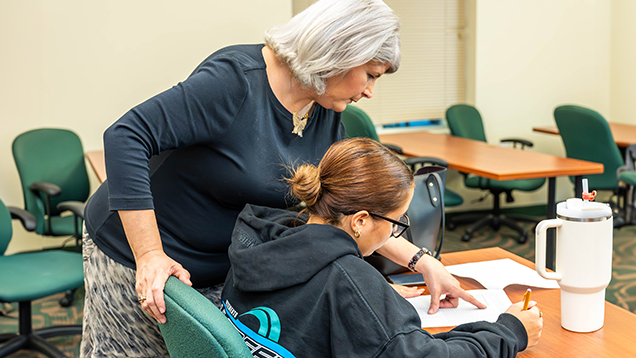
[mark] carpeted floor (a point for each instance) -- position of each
(622, 289)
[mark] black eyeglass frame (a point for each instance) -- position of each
(404, 226)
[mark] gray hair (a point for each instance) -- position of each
(333, 36)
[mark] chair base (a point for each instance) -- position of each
(495, 221)
(34, 339)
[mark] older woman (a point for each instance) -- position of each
(183, 164)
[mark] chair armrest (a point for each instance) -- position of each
(47, 188)
(524, 143)
(393, 147)
(411, 162)
(76, 207)
(26, 218)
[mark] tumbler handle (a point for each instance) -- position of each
(540, 248)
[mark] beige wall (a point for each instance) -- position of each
(82, 64)
(623, 64)
(531, 56)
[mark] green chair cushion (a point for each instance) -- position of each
(196, 328)
(473, 181)
(628, 178)
(29, 276)
(451, 198)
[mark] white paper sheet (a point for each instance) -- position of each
(497, 274)
(496, 300)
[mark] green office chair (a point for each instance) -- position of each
(587, 136)
(196, 328)
(54, 180)
(358, 124)
(627, 175)
(52, 171)
(29, 276)
(466, 122)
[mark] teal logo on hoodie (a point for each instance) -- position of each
(263, 344)
(269, 322)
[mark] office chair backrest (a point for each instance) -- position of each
(6, 230)
(586, 135)
(465, 121)
(55, 156)
(196, 328)
(358, 124)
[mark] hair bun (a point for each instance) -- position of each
(305, 184)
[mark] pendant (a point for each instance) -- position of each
(299, 124)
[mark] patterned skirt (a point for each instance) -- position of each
(114, 324)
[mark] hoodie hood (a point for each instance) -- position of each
(281, 243)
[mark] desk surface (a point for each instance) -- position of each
(624, 134)
(487, 160)
(615, 339)
(96, 160)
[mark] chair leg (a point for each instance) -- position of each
(523, 234)
(39, 344)
(13, 345)
(27, 338)
(496, 219)
(487, 220)
(629, 205)
(55, 331)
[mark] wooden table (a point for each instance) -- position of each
(96, 160)
(615, 339)
(496, 162)
(486, 160)
(624, 134)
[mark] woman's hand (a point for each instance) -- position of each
(532, 320)
(153, 270)
(153, 265)
(407, 291)
(440, 282)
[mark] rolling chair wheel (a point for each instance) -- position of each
(451, 226)
(67, 300)
(466, 237)
(523, 238)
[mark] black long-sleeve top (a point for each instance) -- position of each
(196, 154)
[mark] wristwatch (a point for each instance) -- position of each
(423, 251)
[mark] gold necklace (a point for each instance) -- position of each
(300, 122)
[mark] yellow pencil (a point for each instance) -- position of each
(526, 299)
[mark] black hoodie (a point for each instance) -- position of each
(303, 290)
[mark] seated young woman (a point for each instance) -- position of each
(299, 287)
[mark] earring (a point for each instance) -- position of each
(356, 234)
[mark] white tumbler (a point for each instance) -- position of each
(583, 265)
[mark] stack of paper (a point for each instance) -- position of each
(494, 276)
(496, 300)
(497, 274)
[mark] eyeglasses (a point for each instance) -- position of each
(399, 227)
